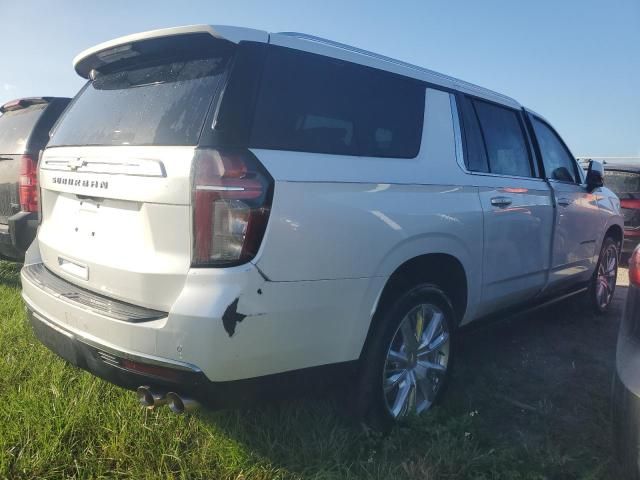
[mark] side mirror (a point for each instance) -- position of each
(595, 175)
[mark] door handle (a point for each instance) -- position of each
(564, 202)
(501, 202)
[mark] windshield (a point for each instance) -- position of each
(159, 104)
(16, 127)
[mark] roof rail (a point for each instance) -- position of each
(457, 82)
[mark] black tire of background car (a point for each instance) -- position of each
(591, 293)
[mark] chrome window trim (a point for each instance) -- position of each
(457, 131)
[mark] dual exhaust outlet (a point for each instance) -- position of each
(150, 398)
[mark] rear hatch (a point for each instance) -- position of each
(116, 177)
(17, 123)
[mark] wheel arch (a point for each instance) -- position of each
(442, 269)
(616, 232)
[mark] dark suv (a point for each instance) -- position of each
(624, 180)
(24, 132)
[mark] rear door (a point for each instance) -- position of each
(577, 223)
(16, 126)
(116, 177)
(517, 209)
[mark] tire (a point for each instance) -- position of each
(626, 427)
(603, 282)
(392, 367)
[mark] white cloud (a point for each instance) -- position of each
(7, 87)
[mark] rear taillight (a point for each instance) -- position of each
(28, 188)
(232, 195)
(634, 268)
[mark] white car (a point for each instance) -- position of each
(224, 209)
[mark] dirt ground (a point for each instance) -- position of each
(544, 381)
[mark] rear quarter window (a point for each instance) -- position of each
(313, 103)
(16, 127)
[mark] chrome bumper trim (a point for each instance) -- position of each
(39, 275)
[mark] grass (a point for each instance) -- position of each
(60, 422)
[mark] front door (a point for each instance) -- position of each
(577, 221)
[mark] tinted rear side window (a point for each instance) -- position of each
(159, 104)
(475, 152)
(504, 139)
(16, 127)
(313, 103)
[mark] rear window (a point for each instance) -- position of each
(623, 184)
(16, 127)
(313, 103)
(159, 104)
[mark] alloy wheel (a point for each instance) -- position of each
(606, 279)
(417, 361)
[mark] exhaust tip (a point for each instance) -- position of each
(149, 398)
(179, 405)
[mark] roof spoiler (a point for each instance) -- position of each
(23, 103)
(125, 47)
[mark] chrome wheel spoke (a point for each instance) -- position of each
(605, 286)
(400, 403)
(399, 358)
(427, 365)
(411, 400)
(435, 344)
(599, 289)
(393, 380)
(434, 326)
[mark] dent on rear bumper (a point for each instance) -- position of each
(232, 324)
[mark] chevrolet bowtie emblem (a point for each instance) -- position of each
(76, 163)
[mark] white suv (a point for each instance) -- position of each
(223, 208)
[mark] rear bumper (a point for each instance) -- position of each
(231, 324)
(131, 370)
(17, 235)
(192, 333)
(122, 368)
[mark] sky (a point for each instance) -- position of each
(576, 62)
